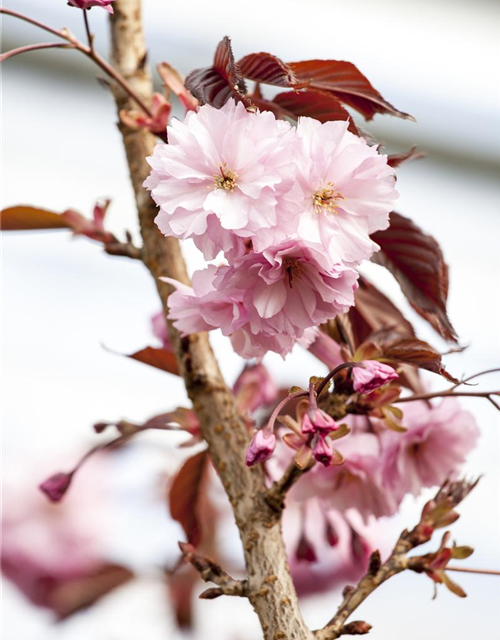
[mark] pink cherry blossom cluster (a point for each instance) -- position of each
(381, 466)
(290, 208)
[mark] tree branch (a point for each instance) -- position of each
(437, 513)
(270, 587)
(210, 571)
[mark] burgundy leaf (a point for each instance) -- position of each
(416, 261)
(373, 311)
(158, 358)
(69, 597)
(24, 218)
(314, 104)
(347, 83)
(410, 351)
(397, 159)
(216, 84)
(266, 68)
(185, 494)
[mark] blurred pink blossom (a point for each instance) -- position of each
(357, 483)
(434, 447)
(255, 388)
(48, 545)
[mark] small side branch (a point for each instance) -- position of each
(126, 249)
(210, 571)
(437, 513)
(275, 496)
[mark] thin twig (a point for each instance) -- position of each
(35, 47)
(40, 25)
(476, 375)
(482, 572)
(278, 490)
(86, 50)
(90, 36)
(450, 392)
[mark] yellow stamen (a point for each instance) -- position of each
(327, 199)
(225, 179)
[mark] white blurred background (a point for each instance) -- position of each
(64, 299)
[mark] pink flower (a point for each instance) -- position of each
(254, 388)
(438, 439)
(265, 301)
(230, 163)
(289, 288)
(357, 483)
(340, 563)
(323, 452)
(371, 375)
(159, 327)
(45, 546)
(56, 486)
(203, 308)
(317, 421)
(347, 189)
(261, 447)
(88, 4)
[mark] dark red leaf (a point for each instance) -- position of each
(216, 84)
(398, 158)
(347, 83)
(72, 596)
(266, 68)
(159, 358)
(24, 218)
(373, 311)
(185, 494)
(416, 261)
(410, 351)
(314, 104)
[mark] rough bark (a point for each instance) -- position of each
(270, 587)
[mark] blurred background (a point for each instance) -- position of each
(65, 303)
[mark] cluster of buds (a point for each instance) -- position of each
(313, 431)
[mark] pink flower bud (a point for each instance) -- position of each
(88, 4)
(322, 452)
(317, 421)
(56, 486)
(254, 388)
(261, 448)
(371, 375)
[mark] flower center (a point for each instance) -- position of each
(293, 269)
(225, 179)
(327, 199)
